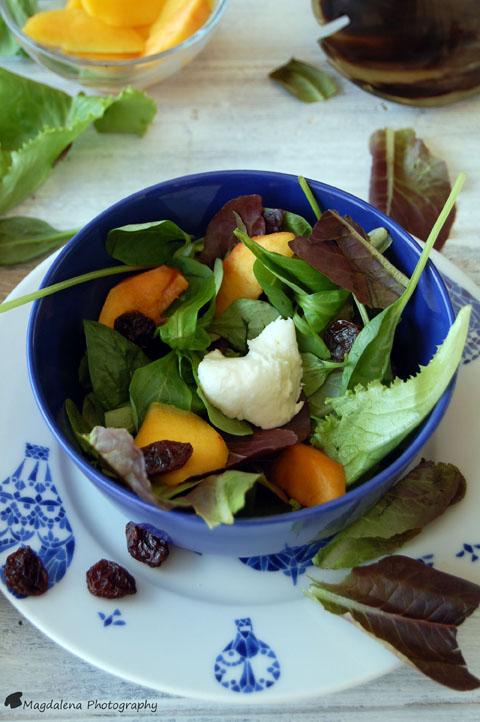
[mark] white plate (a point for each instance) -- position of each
(208, 627)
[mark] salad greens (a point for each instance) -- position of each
(413, 608)
(21, 11)
(112, 361)
(38, 123)
(421, 496)
(369, 422)
(305, 81)
(408, 183)
(23, 238)
(352, 407)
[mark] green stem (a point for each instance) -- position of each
(310, 197)
(362, 310)
(433, 235)
(76, 281)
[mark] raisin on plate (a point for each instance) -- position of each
(109, 580)
(163, 456)
(339, 337)
(136, 327)
(25, 574)
(145, 545)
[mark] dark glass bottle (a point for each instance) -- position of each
(420, 52)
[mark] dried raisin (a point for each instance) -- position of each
(339, 337)
(25, 574)
(163, 456)
(146, 545)
(136, 327)
(273, 220)
(109, 580)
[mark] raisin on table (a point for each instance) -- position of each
(146, 546)
(25, 574)
(109, 580)
(339, 337)
(163, 456)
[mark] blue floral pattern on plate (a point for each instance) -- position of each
(470, 551)
(112, 619)
(246, 664)
(291, 561)
(461, 297)
(32, 513)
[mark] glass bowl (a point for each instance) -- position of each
(110, 75)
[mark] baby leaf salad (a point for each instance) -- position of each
(250, 372)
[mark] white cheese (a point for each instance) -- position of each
(262, 387)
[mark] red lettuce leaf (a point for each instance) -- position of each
(413, 608)
(265, 442)
(341, 250)
(219, 238)
(408, 183)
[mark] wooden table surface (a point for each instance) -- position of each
(223, 112)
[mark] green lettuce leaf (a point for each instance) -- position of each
(424, 494)
(413, 608)
(38, 123)
(217, 498)
(306, 82)
(21, 10)
(368, 423)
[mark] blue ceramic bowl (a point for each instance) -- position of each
(56, 344)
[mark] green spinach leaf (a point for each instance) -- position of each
(159, 381)
(296, 224)
(273, 289)
(320, 308)
(92, 411)
(315, 372)
(243, 320)
(184, 329)
(308, 340)
(112, 361)
(306, 82)
(23, 238)
(121, 418)
(146, 244)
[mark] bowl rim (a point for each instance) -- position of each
(124, 495)
(24, 39)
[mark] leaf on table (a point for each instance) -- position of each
(423, 495)
(112, 361)
(305, 81)
(20, 10)
(23, 238)
(414, 608)
(367, 423)
(146, 244)
(220, 238)
(341, 250)
(131, 111)
(408, 183)
(38, 123)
